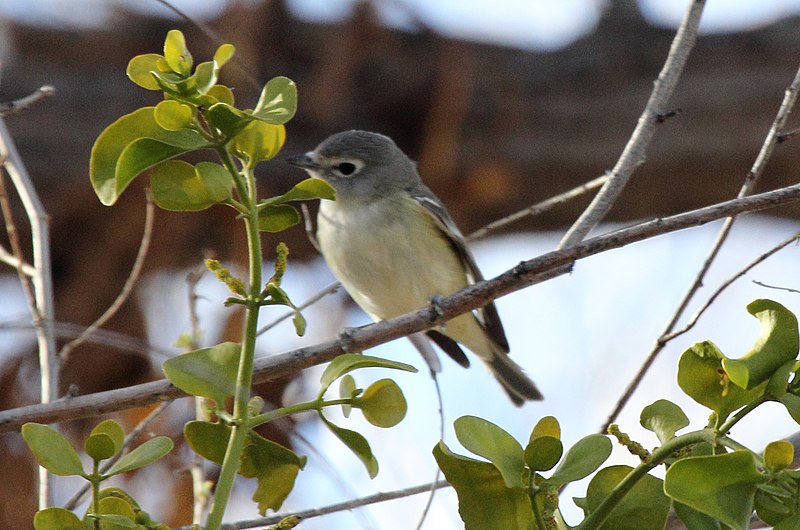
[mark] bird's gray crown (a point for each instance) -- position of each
(372, 148)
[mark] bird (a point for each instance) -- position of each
(394, 247)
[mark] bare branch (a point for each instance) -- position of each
(127, 287)
(539, 208)
(322, 293)
(333, 508)
(26, 102)
(787, 289)
(634, 153)
(773, 138)
(526, 273)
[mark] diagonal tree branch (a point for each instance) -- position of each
(525, 274)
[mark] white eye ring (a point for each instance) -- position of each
(347, 168)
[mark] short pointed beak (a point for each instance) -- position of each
(303, 161)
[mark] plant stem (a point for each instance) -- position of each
(273, 415)
(597, 517)
(244, 376)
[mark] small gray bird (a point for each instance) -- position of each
(392, 244)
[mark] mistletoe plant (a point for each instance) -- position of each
(198, 114)
(711, 482)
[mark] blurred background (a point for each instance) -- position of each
(502, 105)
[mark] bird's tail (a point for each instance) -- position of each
(512, 378)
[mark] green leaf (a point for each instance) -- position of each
(140, 70)
(543, 453)
(99, 446)
(774, 503)
(484, 501)
(226, 119)
(278, 101)
(299, 322)
(348, 362)
(581, 459)
(721, 486)
(308, 189)
(486, 439)
(347, 390)
(116, 513)
(145, 454)
(357, 444)
(792, 404)
(129, 146)
(663, 418)
(221, 94)
(777, 343)
(778, 455)
(702, 378)
(258, 141)
(180, 186)
(209, 440)
(275, 467)
(790, 523)
(56, 519)
(176, 54)
(105, 440)
(51, 450)
(208, 372)
(277, 218)
(223, 54)
(644, 507)
(382, 403)
(547, 426)
(693, 519)
(173, 115)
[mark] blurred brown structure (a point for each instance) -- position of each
(494, 130)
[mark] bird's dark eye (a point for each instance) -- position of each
(346, 168)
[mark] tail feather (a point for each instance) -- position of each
(512, 378)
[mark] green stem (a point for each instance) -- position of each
(244, 375)
(273, 415)
(96, 479)
(597, 517)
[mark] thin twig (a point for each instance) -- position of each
(43, 310)
(10, 259)
(772, 139)
(129, 439)
(634, 153)
(322, 293)
(333, 508)
(12, 107)
(127, 287)
(525, 274)
(726, 284)
(539, 208)
(787, 289)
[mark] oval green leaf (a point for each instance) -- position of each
(486, 439)
(663, 418)
(51, 450)
(278, 101)
(308, 189)
(721, 486)
(383, 403)
(275, 467)
(258, 141)
(582, 459)
(99, 446)
(226, 119)
(543, 453)
(176, 54)
(778, 455)
(277, 218)
(56, 519)
(113, 430)
(208, 372)
(209, 440)
(347, 390)
(173, 115)
(547, 426)
(223, 54)
(182, 187)
(357, 444)
(145, 454)
(141, 68)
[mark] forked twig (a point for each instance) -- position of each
(634, 153)
(774, 137)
